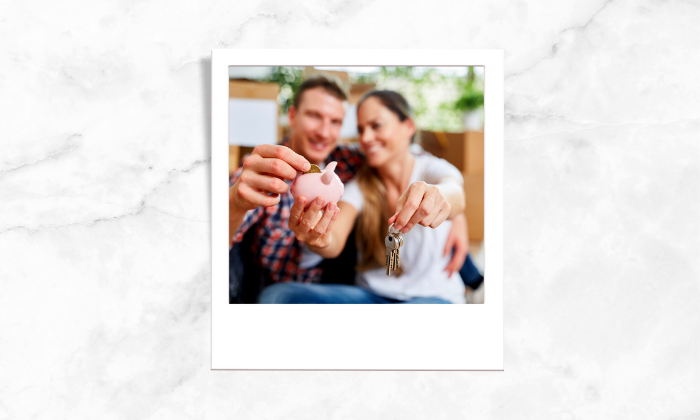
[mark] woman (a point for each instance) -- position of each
(416, 193)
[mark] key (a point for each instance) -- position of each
(392, 246)
(393, 242)
(399, 240)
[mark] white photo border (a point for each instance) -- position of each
(359, 337)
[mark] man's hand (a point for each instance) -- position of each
(309, 226)
(421, 204)
(457, 239)
(262, 179)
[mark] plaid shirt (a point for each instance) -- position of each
(276, 249)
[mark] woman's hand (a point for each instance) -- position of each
(309, 226)
(421, 204)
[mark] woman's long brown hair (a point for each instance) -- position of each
(372, 222)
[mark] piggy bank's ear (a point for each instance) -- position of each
(328, 173)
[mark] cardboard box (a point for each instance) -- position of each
(357, 90)
(251, 89)
(474, 210)
(464, 150)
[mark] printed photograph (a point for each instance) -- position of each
(356, 185)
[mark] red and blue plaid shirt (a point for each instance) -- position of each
(275, 247)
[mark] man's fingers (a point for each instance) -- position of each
(256, 197)
(296, 211)
(285, 153)
(276, 167)
(457, 260)
(265, 182)
(449, 244)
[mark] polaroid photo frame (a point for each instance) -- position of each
(359, 337)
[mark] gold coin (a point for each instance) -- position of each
(313, 170)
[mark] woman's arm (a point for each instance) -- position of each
(453, 192)
(428, 205)
(325, 235)
(340, 233)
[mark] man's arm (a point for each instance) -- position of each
(235, 216)
(262, 181)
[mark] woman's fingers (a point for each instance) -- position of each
(322, 225)
(414, 198)
(425, 209)
(438, 205)
(333, 219)
(392, 219)
(442, 216)
(310, 218)
(297, 211)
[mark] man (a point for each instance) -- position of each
(259, 198)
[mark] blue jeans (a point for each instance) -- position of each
(470, 275)
(329, 293)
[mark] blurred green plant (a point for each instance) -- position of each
(289, 79)
(458, 94)
(471, 97)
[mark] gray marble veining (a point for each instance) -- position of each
(105, 212)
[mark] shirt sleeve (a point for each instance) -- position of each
(352, 195)
(251, 218)
(436, 169)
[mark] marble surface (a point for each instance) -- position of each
(105, 214)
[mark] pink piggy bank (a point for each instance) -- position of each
(326, 185)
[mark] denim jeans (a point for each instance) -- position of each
(470, 275)
(330, 293)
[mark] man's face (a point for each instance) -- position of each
(316, 124)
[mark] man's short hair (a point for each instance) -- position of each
(328, 82)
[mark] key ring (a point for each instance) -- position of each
(392, 230)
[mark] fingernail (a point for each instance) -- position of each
(319, 200)
(404, 230)
(306, 166)
(397, 227)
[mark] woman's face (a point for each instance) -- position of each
(382, 136)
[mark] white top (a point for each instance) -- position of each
(421, 254)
